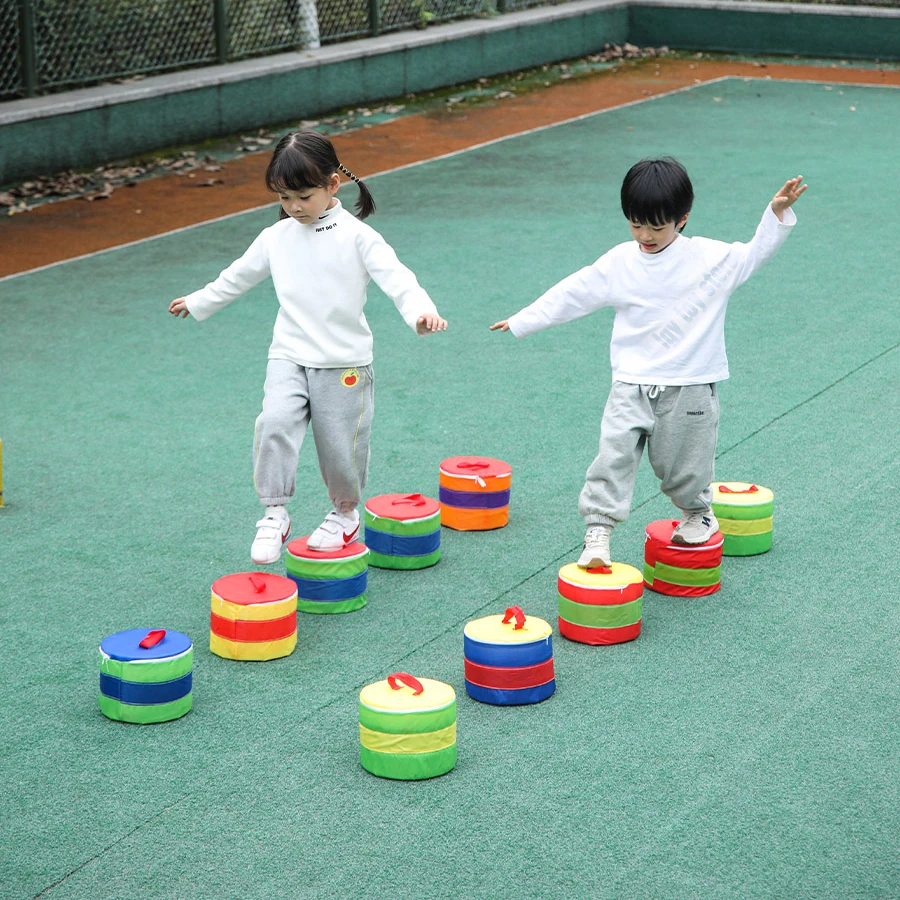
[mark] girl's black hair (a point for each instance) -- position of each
(657, 191)
(307, 159)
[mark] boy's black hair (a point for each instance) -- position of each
(657, 191)
(306, 159)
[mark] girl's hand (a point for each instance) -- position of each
(502, 325)
(428, 323)
(179, 308)
(788, 195)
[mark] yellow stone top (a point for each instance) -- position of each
(381, 696)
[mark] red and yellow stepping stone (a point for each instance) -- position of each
(253, 616)
(601, 605)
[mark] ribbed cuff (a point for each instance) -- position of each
(596, 519)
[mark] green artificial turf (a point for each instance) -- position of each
(744, 746)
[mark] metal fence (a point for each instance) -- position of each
(51, 45)
(48, 45)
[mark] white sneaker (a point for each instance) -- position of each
(695, 528)
(272, 533)
(596, 547)
(336, 532)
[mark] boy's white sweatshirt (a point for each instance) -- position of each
(320, 272)
(669, 327)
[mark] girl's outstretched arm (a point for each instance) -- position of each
(429, 323)
(179, 308)
(788, 195)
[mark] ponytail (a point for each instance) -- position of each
(364, 205)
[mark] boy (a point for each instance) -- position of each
(667, 348)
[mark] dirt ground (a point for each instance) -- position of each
(65, 229)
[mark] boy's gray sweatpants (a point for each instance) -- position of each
(678, 424)
(339, 403)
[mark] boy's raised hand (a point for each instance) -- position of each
(430, 323)
(788, 195)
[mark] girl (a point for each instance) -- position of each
(320, 258)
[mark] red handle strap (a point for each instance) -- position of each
(724, 489)
(514, 612)
(600, 570)
(406, 679)
(152, 638)
(409, 500)
(257, 583)
(473, 465)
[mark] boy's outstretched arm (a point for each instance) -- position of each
(788, 195)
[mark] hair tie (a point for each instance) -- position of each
(347, 172)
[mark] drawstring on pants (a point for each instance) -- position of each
(655, 391)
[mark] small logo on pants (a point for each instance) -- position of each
(350, 378)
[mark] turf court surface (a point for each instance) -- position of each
(744, 746)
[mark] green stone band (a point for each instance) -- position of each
(331, 606)
(683, 577)
(600, 616)
(326, 569)
(144, 715)
(408, 766)
(415, 528)
(747, 544)
(735, 511)
(407, 723)
(381, 561)
(148, 672)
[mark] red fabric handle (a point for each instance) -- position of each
(724, 489)
(473, 465)
(515, 611)
(409, 499)
(153, 638)
(600, 570)
(258, 584)
(406, 679)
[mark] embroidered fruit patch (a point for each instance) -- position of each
(350, 378)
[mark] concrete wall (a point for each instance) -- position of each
(95, 125)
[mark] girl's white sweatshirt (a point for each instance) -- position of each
(320, 272)
(669, 327)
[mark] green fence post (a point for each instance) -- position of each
(374, 18)
(221, 21)
(27, 51)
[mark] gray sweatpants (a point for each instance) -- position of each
(679, 425)
(339, 403)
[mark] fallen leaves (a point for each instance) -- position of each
(102, 182)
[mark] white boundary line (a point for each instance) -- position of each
(452, 153)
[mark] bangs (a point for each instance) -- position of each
(291, 170)
(649, 211)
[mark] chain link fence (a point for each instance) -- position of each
(49, 45)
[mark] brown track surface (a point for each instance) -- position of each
(69, 228)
